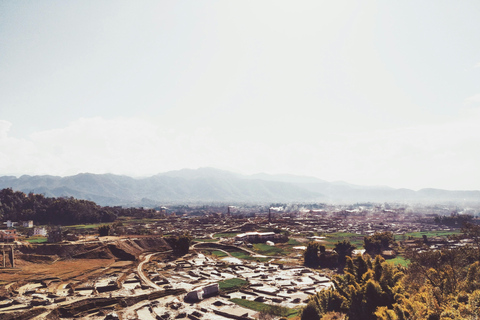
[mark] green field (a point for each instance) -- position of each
(206, 240)
(225, 235)
(264, 249)
(355, 239)
(86, 226)
(260, 306)
(294, 242)
(429, 234)
(140, 221)
(399, 260)
(245, 256)
(232, 284)
(219, 254)
(37, 239)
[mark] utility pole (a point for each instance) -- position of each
(13, 257)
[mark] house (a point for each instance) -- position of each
(10, 224)
(8, 235)
(28, 224)
(200, 293)
(40, 232)
(255, 237)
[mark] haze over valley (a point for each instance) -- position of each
(208, 185)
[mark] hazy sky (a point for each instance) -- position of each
(369, 92)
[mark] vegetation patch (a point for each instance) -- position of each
(225, 235)
(245, 256)
(267, 250)
(37, 239)
(219, 254)
(333, 238)
(232, 284)
(86, 226)
(399, 261)
(431, 234)
(275, 310)
(294, 242)
(205, 240)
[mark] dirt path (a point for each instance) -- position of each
(140, 273)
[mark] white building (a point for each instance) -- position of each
(40, 232)
(255, 236)
(28, 224)
(10, 223)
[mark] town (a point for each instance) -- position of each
(238, 262)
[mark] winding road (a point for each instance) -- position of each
(140, 273)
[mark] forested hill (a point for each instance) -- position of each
(18, 206)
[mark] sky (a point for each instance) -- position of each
(370, 92)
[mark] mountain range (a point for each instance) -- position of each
(209, 185)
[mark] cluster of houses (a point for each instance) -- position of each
(9, 233)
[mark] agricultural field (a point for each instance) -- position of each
(232, 284)
(205, 240)
(216, 253)
(430, 234)
(332, 238)
(92, 226)
(37, 239)
(264, 249)
(225, 235)
(260, 306)
(245, 256)
(399, 260)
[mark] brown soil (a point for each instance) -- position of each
(78, 269)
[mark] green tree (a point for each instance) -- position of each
(181, 243)
(378, 242)
(343, 249)
(360, 291)
(104, 230)
(310, 255)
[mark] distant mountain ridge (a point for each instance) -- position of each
(209, 185)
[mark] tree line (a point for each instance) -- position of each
(18, 206)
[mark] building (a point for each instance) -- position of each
(8, 235)
(28, 224)
(200, 293)
(10, 224)
(40, 232)
(255, 237)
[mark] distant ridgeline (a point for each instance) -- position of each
(18, 206)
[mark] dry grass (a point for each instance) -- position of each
(65, 270)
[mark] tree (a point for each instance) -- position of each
(343, 249)
(104, 230)
(181, 243)
(364, 287)
(378, 242)
(310, 255)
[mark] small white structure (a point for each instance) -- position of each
(315, 238)
(270, 243)
(10, 223)
(40, 232)
(358, 252)
(255, 236)
(28, 224)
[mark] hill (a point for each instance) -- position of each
(208, 185)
